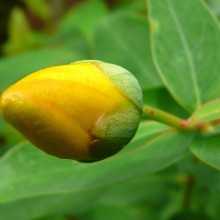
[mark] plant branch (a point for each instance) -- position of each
(176, 122)
(167, 118)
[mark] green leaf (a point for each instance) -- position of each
(145, 187)
(111, 211)
(83, 17)
(41, 8)
(215, 6)
(26, 171)
(41, 205)
(207, 113)
(20, 35)
(186, 49)
(15, 67)
(8, 136)
(123, 39)
(131, 5)
(207, 149)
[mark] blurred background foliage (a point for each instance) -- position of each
(37, 34)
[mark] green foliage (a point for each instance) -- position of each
(111, 45)
(20, 34)
(173, 48)
(40, 8)
(186, 50)
(84, 17)
(207, 149)
(207, 113)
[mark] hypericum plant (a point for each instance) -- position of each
(173, 51)
(89, 110)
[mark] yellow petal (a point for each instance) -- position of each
(58, 106)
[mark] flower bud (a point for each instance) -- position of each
(86, 111)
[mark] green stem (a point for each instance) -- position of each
(187, 195)
(167, 118)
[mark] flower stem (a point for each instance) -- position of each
(167, 118)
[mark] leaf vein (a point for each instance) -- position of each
(188, 54)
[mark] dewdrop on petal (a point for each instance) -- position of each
(86, 111)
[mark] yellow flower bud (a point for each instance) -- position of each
(86, 111)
